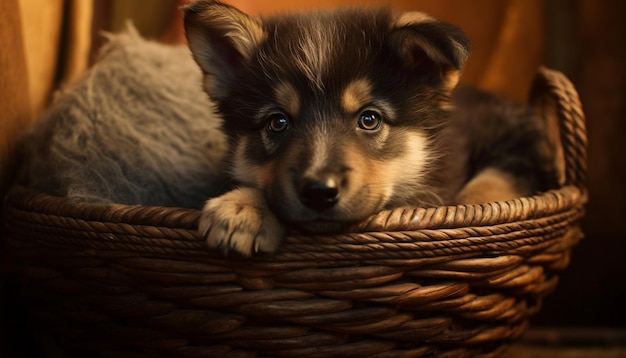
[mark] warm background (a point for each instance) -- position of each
(45, 44)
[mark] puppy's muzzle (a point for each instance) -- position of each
(319, 194)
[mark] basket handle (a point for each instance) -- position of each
(555, 97)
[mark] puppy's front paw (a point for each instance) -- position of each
(240, 220)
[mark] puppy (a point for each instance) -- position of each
(335, 115)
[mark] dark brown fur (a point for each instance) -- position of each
(335, 115)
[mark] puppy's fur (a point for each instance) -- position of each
(335, 115)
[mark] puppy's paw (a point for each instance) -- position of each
(240, 220)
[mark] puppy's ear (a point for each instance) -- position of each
(221, 39)
(430, 48)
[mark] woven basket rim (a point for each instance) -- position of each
(399, 219)
(419, 235)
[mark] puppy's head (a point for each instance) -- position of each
(331, 113)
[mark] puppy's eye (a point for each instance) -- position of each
(277, 122)
(370, 120)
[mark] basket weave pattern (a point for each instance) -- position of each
(446, 281)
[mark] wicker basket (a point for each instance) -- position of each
(447, 281)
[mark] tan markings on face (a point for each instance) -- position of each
(379, 182)
(287, 98)
(392, 180)
(357, 94)
(266, 174)
(242, 170)
(322, 145)
(381, 137)
(365, 172)
(258, 176)
(405, 173)
(490, 185)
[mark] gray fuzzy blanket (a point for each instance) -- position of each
(136, 129)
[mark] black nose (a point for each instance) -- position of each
(319, 194)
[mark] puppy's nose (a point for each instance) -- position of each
(319, 194)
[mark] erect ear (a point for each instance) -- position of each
(430, 48)
(221, 39)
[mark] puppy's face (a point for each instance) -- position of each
(331, 114)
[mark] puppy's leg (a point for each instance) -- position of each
(489, 185)
(240, 220)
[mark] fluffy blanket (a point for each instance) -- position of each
(136, 129)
